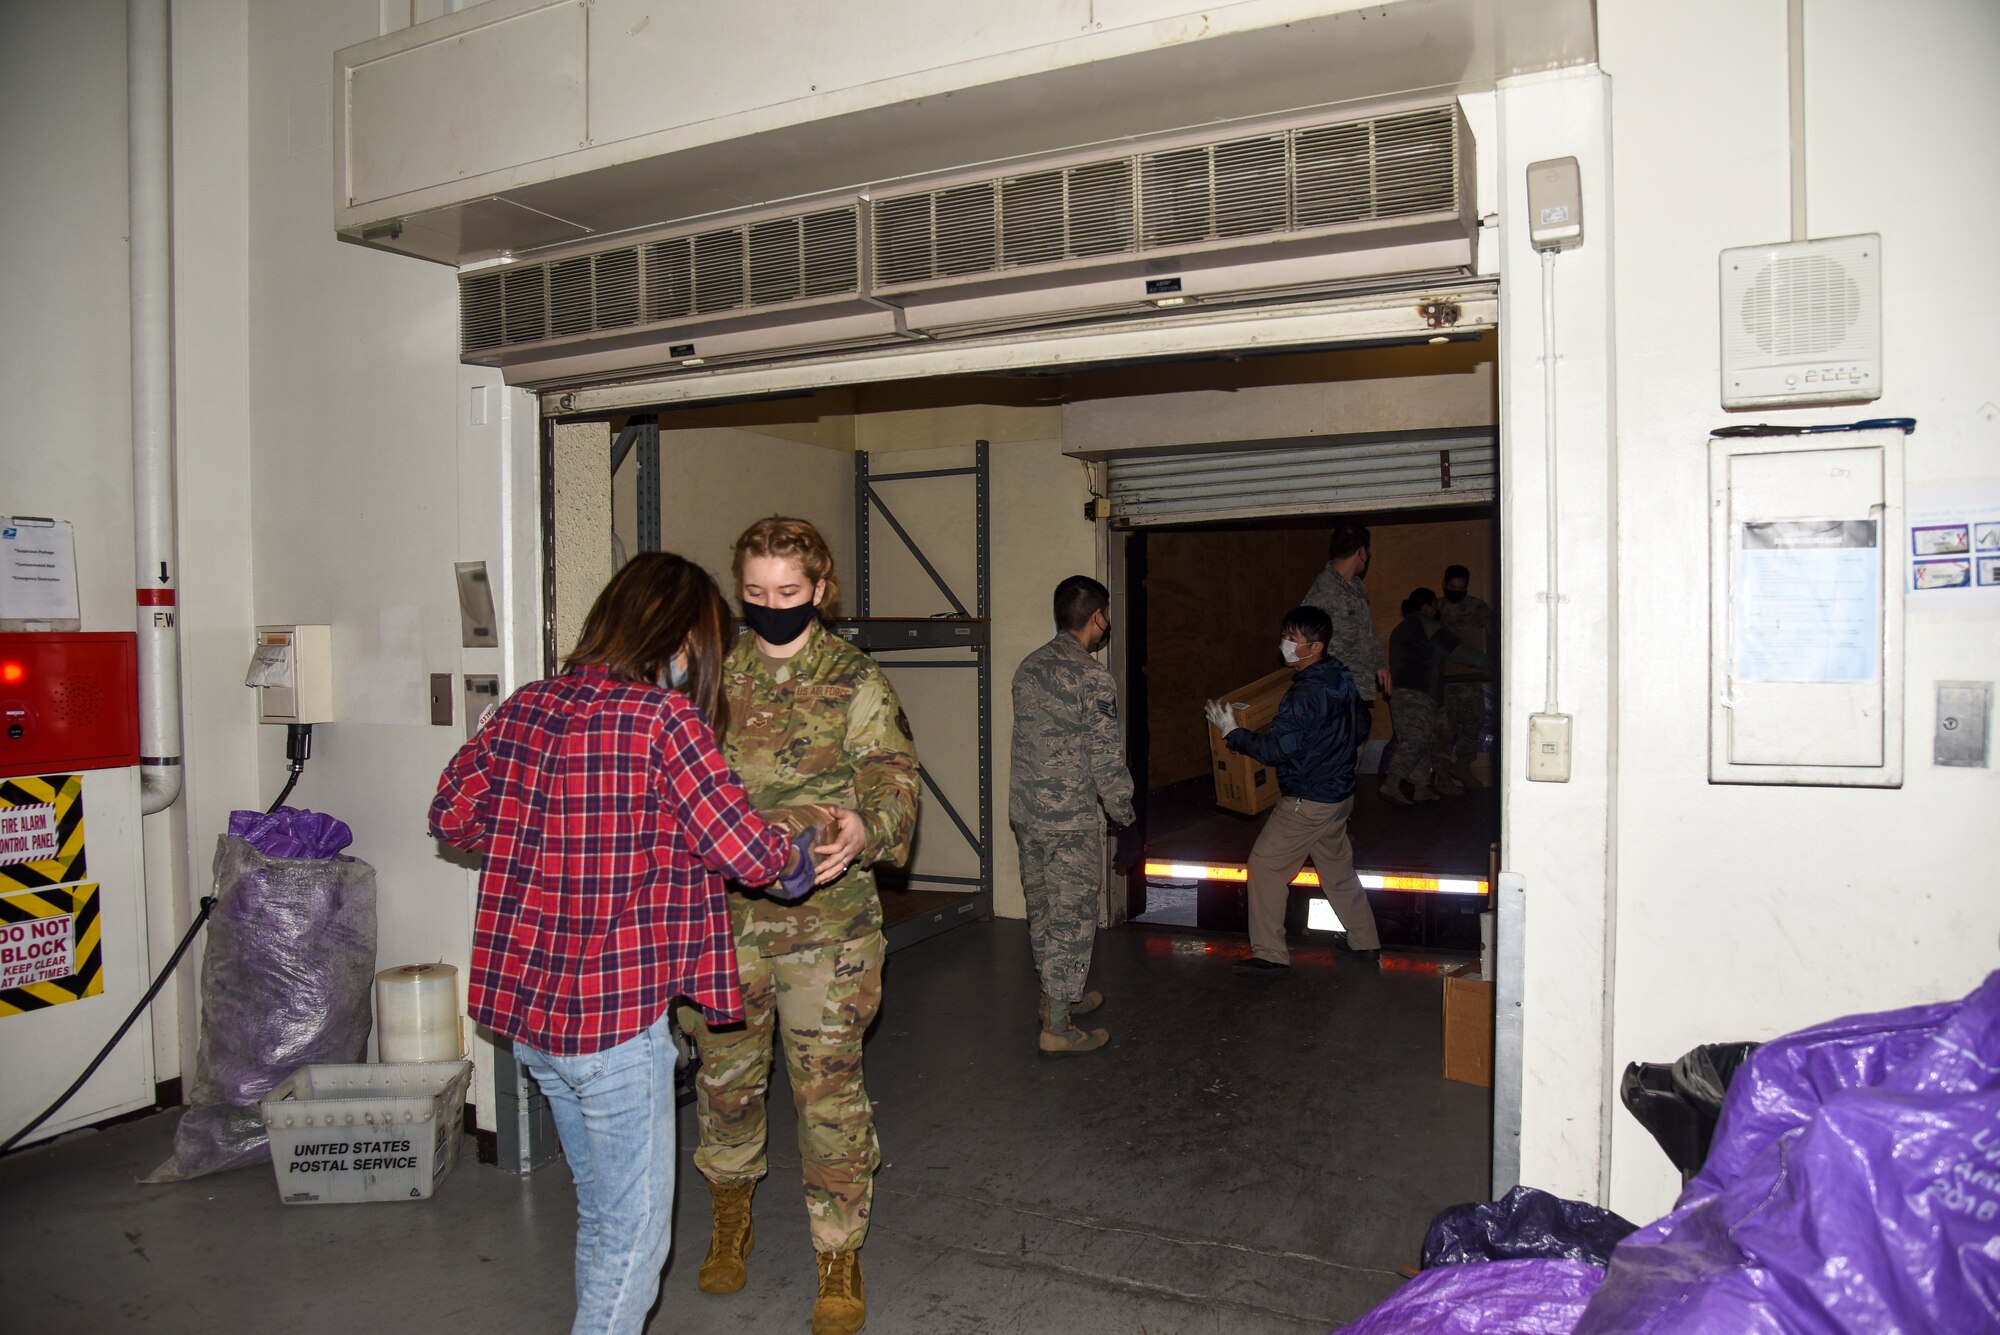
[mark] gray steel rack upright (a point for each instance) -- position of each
(964, 629)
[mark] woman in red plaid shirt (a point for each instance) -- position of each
(608, 819)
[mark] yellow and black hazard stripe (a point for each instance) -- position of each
(65, 793)
(88, 980)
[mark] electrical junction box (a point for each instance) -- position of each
(1555, 204)
(1963, 708)
(1548, 748)
(292, 669)
(1802, 322)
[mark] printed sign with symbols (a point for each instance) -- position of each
(51, 948)
(40, 950)
(28, 834)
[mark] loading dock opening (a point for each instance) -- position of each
(1202, 607)
(1397, 430)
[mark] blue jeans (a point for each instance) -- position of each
(614, 1112)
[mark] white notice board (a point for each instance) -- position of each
(37, 574)
(1806, 535)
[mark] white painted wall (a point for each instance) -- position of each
(717, 481)
(65, 354)
(1744, 913)
(213, 439)
(1558, 836)
(1040, 538)
(356, 412)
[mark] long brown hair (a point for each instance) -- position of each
(657, 604)
(792, 540)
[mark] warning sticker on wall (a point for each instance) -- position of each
(41, 831)
(50, 952)
(28, 834)
(37, 950)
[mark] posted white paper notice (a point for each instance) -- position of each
(1808, 600)
(37, 571)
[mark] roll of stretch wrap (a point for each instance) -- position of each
(416, 1014)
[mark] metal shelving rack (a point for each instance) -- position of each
(967, 628)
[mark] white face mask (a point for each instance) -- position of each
(676, 674)
(1289, 650)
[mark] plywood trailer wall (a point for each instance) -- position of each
(1214, 598)
(1408, 556)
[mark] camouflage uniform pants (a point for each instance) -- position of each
(1061, 874)
(819, 1002)
(1464, 716)
(1416, 719)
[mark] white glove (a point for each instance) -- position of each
(1222, 716)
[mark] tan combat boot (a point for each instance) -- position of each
(726, 1266)
(1091, 1001)
(1061, 1038)
(842, 1305)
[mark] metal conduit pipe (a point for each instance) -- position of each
(149, 175)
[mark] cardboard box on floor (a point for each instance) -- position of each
(1468, 1026)
(1243, 784)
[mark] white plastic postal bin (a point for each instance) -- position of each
(365, 1133)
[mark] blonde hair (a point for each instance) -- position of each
(791, 540)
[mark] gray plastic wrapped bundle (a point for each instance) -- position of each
(285, 983)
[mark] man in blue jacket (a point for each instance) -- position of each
(1311, 743)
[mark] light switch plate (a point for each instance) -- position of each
(1548, 748)
(441, 699)
(482, 692)
(1964, 712)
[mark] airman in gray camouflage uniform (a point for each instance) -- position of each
(820, 728)
(1339, 592)
(1067, 760)
(1473, 621)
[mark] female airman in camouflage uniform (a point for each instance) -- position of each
(813, 722)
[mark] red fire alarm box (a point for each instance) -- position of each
(68, 701)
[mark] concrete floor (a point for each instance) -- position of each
(1249, 1156)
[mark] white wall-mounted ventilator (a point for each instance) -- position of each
(1300, 207)
(1802, 322)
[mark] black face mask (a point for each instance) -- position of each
(778, 625)
(1454, 595)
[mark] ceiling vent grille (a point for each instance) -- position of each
(1392, 166)
(764, 263)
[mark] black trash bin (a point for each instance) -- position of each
(1680, 1103)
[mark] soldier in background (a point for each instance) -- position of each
(1419, 649)
(812, 721)
(1339, 592)
(1068, 760)
(1471, 620)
